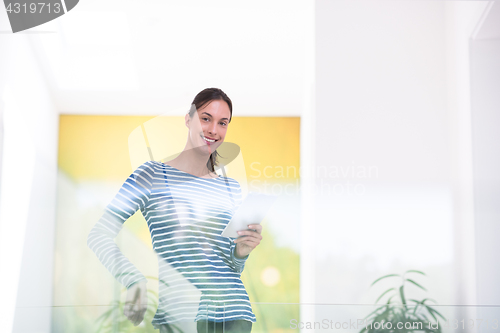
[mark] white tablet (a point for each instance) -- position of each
(251, 211)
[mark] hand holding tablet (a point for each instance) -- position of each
(252, 211)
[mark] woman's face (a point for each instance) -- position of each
(208, 126)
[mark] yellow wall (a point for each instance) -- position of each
(96, 147)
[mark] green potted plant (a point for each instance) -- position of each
(398, 315)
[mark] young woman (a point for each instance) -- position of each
(186, 206)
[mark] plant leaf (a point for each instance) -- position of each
(104, 316)
(402, 294)
(382, 316)
(424, 316)
(385, 292)
(422, 302)
(381, 307)
(383, 277)
(436, 312)
(431, 311)
(428, 299)
(416, 305)
(411, 281)
(415, 271)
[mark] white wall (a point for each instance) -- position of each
(28, 188)
(390, 82)
(485, 98)
(463, 20)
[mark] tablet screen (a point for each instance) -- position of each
(252, 211)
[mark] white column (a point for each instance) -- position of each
(307, 153)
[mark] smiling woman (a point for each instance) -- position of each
(186, 206)
(209, 117)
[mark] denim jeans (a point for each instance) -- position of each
(232, 326)
(203, 326)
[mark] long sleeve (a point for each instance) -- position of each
(133, 195)
(237, 264)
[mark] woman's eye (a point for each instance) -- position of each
(224, 124)
(206, 119)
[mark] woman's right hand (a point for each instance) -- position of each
(136, 302)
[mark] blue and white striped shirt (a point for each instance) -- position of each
(199, 275)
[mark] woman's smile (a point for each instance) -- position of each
(208, 140)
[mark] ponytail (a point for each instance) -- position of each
(212, 161)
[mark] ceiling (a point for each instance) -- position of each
(151, 57)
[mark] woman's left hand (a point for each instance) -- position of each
(248, 240)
